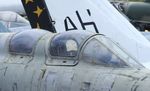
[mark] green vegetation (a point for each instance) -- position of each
(129, 0)
(136, 0)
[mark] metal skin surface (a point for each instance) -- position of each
(39, 71)
(3, 28)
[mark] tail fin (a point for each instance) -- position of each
(38, 14)
(94, 15)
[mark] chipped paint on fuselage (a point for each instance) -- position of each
(33, 73)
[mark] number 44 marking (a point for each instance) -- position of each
(83, 24)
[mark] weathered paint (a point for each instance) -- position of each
(33, 72)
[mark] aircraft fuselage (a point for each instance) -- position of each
(30, 61)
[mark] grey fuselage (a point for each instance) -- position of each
(38, 61)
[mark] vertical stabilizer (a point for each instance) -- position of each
(38, 14)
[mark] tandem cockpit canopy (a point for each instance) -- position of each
(73, 46)
(24, 42)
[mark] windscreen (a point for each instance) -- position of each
(96, 53)
(102, 51)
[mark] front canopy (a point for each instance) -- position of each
(24, 42)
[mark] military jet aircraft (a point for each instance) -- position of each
(84, 16)
(46, 14)
(37, 60)
(107, 21)
(43, 61)
(90, 15)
